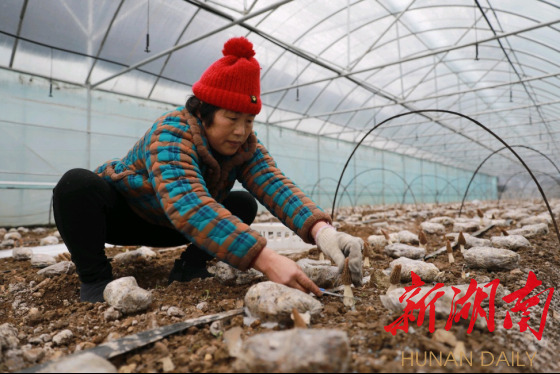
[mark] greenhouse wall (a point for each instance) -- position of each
(372, 176)
(42, 136)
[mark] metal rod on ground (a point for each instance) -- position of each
(130, 342)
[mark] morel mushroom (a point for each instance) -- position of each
(347, 283)
(298, 319)
(422, 239)
(480, 215)
(387, 237)
(462, 242)
(367, 254)
(395, 277)
(449, 252)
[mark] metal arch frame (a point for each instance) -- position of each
(265, 73)
(384, 170)
(419, 56)
(483, 190)
(348, 68)
(526, 183)
(442, 125)
(324, 49)
(426, 81)
(389, 14)
(364, 108)
(543, 174)
(16, 41)
(428, 175)
(343, 127)
(433, 123)
(433, 65)
(364, 85)
(510, 83)
(102, 44)
(396, 100)
(321, 189)
(330, 81)
(492, 154)
(510, 109)
(518, 77)
(467, 91)
(327, 178)
(384, 185)
(352, 203)
(303, 33)
(192, 41)
(480, 41)
(463, 143)
(506, 183)
(468, 118)
(336, 40)
(396, 21)
(531, 97)
(168, 57)
(455, 6)
(542, 77)
(244, 11)
(88, 56)
(283, 45)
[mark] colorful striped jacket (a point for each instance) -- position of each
(171, 178)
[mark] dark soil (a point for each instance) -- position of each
(197, 350)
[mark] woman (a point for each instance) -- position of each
(174, 187)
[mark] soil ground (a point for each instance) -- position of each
(373, 348)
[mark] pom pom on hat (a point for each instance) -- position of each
(233, 82)
(239, 47)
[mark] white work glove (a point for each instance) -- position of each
(338, 246)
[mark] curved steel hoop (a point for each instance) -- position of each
(492, 154)
(460, 115)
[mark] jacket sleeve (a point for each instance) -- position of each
(280, 195)
(175, 175)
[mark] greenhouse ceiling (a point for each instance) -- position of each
(335, 68)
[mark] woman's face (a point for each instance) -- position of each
(229, 131)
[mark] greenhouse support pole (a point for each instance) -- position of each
(403, 167)
(383, 177)
(446, 190)
(434, 197)
(88, 156)
(319, 165)
(422, 185)
(355, 184)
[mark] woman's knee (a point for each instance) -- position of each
(243, 205)
(79, 180)
(81, 183)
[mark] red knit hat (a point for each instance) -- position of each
(232, 82)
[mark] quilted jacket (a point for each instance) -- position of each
(171, 178)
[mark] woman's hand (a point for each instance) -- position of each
(281, 269)
(339, 246)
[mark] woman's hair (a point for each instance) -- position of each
(204, 110)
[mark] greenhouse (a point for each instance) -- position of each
(373, 129)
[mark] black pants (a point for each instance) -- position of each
(89, 212)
